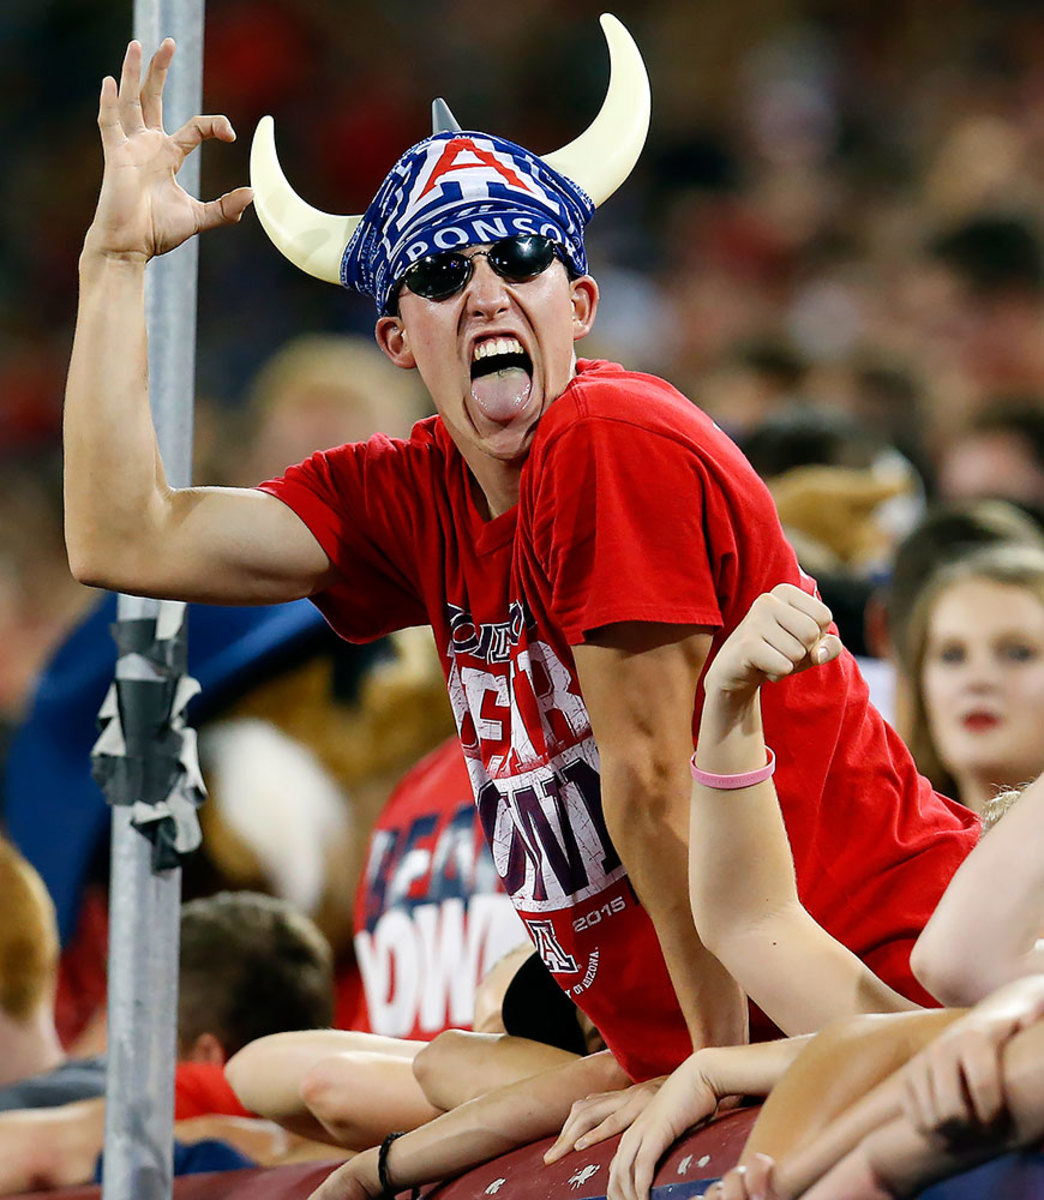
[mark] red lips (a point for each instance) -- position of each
(978, 722)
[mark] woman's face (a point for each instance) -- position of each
(983, 682)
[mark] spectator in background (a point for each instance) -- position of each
(994, 265)
(751, 384)
(318, 391)
(974, 660)
(945, 534)
(249, 966)
(999, 453)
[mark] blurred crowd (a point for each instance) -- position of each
(839, 210)
(833, 243)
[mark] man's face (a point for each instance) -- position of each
(493, 356)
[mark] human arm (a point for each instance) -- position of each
(639, 682)
(861, 1082)
(741, 872)
(690, 1095)
(44, 1148)
(125, 527)
(456, 1066)
(338, 1086)
(478, 1130)
(986, 929)
(901, 1156)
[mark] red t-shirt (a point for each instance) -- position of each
(201, 1089)
(431, 916)
(633, 506)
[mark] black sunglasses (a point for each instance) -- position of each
(439, 276)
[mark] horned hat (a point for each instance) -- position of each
(460, 188)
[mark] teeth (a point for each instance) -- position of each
(502, 345)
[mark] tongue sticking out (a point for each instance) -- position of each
(502, 395)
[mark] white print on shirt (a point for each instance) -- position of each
(420, 965)
(533, 763)
(556, 957)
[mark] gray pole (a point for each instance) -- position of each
(145, 903)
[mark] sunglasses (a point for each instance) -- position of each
(439, 276)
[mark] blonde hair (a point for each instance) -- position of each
(999, 805)
(1018, 566)
(28, 937)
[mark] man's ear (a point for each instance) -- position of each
(584, 293)
(394, 341)
(206, 1049)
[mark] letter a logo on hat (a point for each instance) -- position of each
(466, 148)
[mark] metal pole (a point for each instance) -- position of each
(145, 903)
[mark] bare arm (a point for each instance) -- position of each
(687, 1097)
(478, 1130)
(456, 1066)
(639, 683)
(741, 871)
(900, 1157)
(126, 529)
(860, 1083)
(986, 928)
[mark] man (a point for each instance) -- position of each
(580, 539)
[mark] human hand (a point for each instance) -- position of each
(748, 1181)
(142, 210)
(784, 632)
(954, 1088)
(356, 1180)
(684, 1099)
(600, 1116)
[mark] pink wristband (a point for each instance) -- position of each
(726, 783)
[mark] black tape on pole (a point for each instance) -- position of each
(145, 757)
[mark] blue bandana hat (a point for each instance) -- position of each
(461, 189)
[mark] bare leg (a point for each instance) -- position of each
(268, 1075)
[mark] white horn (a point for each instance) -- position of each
(310, 239)
(602, 157)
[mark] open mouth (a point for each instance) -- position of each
(501, 378)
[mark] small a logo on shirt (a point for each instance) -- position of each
(550, 948)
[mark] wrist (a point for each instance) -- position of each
(96, 253)
(364, 1168)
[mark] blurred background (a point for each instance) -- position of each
(834, 234)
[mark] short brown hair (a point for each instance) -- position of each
(250, 965)
(28, 937)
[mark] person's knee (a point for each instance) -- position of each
(438, 1064)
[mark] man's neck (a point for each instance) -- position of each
(29, 1047)
(497, 484)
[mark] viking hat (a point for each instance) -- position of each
(460, 188)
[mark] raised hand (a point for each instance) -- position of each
(142, 210)
(785, 631)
